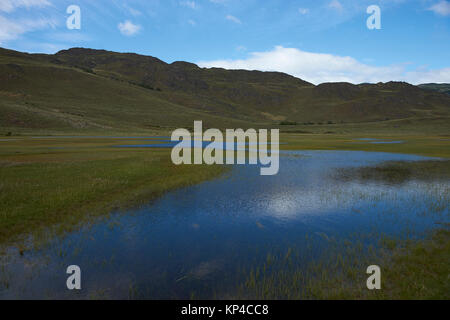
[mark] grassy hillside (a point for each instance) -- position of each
(85, 90)
(442, 87)
(37, 95)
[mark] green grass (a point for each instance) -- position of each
(419, 144)
(42, 187)
(58, 181)
(410, 270)
(54, 185)
(421, 270)
(57, 185)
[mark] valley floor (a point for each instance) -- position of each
(60, 182)
(55, 184)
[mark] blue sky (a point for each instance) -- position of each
(316, 40)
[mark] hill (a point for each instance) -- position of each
(442, 87)
(85, 89)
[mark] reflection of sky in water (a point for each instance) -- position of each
(378, 141)
(197, 238)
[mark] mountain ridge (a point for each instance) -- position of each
(131, 87)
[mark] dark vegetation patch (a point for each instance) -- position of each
(398, 172)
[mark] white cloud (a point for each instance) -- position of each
(233, 19)
(442, 8)
(192, 22)
(318, 67)
(128, 28)
(11, 5)
(428, 76)
(10, 30)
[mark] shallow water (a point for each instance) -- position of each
(169, 144)
(197, 241)
(378, 141)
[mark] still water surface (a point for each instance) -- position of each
(197, 241)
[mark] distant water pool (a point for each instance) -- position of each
(378, 141)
